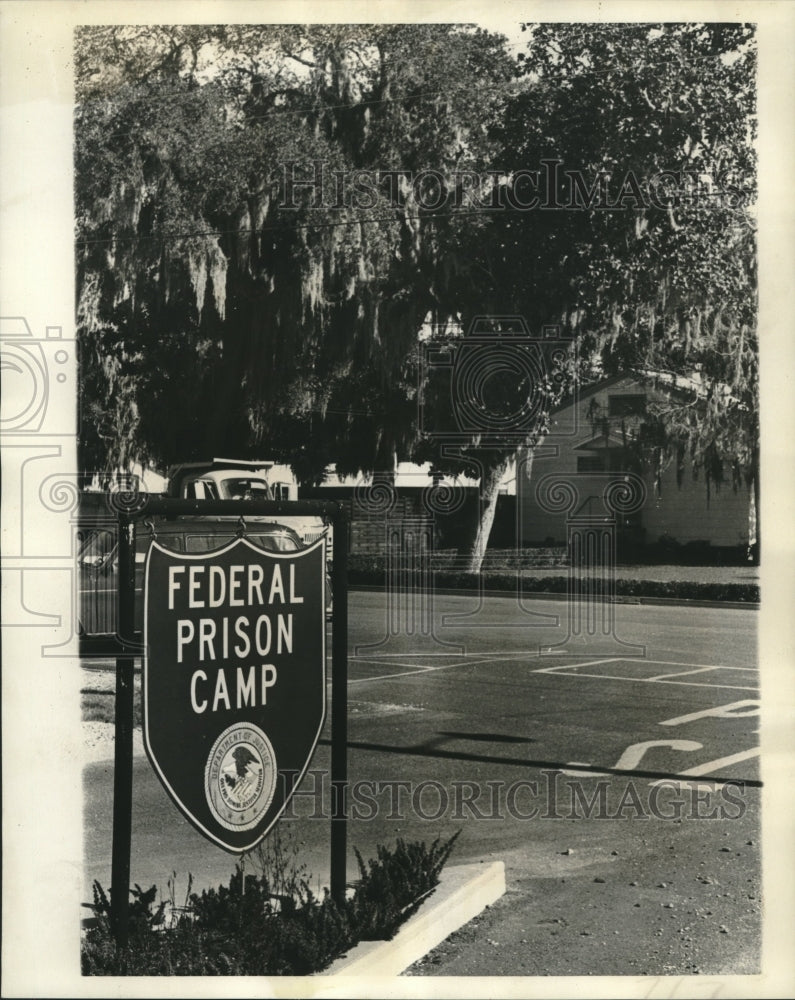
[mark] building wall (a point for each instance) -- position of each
(685, 513)
(452, 530)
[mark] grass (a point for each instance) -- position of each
(666, 574)
(553, 563)
(99, 706)
(734, 583)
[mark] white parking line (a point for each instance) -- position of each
(683, 673)
(497, 652)
(418, 667)
(705, 666)
(414, 672)
(572, 670)
(695, 684)
(568, 666)
(648, 680)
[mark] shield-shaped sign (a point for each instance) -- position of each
(234, 687)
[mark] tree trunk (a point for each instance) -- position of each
(754, 540)
(489, 492)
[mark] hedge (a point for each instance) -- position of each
(683, 590)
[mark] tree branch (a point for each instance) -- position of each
(299, 59)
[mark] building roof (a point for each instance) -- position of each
(661, 381)
(601, 442)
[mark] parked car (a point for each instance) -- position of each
(98, 559)
(233, 479)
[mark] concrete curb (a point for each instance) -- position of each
(462, 893)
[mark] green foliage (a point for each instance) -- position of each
(267, 922)
(268, 933)
(659, 279)
(493, 579)
(222, 310)
(214, 319)
(145, 915)
(392, 885)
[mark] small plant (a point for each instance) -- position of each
(176, 911)
(393, 885)
(266, 922)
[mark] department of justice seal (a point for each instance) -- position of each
(240, 776)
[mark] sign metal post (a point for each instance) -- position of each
(127, 649)
(339, 710)
(123, 750)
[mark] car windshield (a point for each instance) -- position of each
(247, 489)
(201, 489)
(271, 542)
(97, 548)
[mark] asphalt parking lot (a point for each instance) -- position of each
(616, 775)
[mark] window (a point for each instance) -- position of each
(97, 549)
(276, 543)
(626, 406)
(201, 489)
(144, 537)
(207, 543)
(247, 489)
(281, 491)
(271, 542)
(591, 463)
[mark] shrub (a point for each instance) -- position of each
(267, 922)
(493, 580)
(393, 884)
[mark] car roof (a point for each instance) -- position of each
(218, 524)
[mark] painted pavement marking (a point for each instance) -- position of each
(715, 765)
(572, 670)
(417, 671)
(734, 710)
